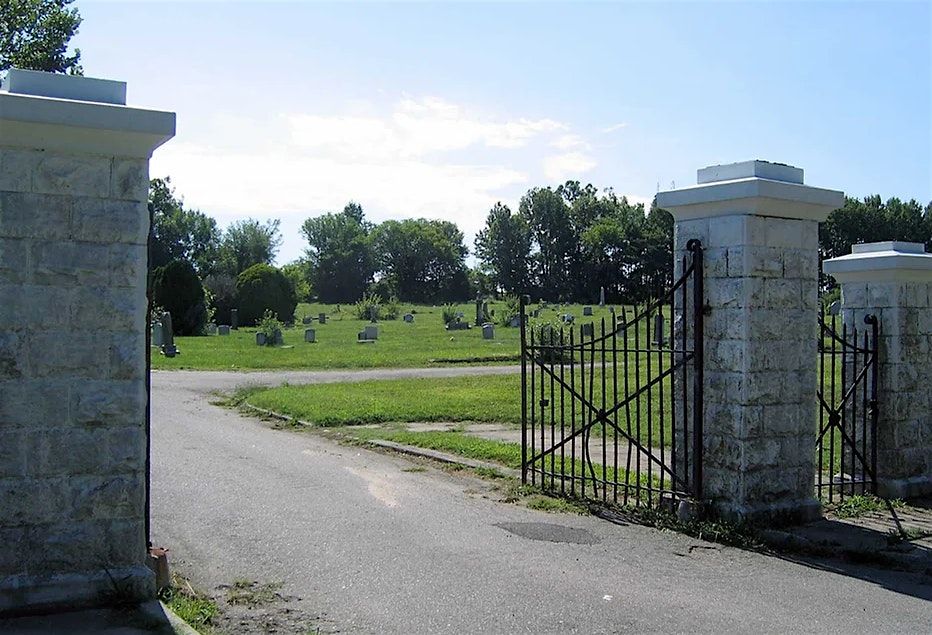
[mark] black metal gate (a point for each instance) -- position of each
(612, 409)
(846, 449)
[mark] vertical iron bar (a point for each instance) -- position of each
(660, 375)
(821, 437)
(624, 321)
(687, 472)
(698, 365)
(602, 415)
(875, 345)
(543, 409)
(615, 401)
(650, 415)
(572, 415)
(553, 423)
(523, 304)
(583, 412)
(854, 412)
(832, 418)
(535, 352)
(673, 360)
(562, 417)
(841, 409)
(637, 406)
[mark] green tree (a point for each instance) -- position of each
(422, 260)
(177, 289)
(179, 233)
(503, 247)
(299, 275)
(262, 288)
(249, 242)
(34, 35)
(339, 254)
(554, 240)
(870, 220)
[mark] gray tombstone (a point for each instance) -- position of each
(223, 329)
(372, 332)
(659, 339)
(409, 318)
(211, 329)
(307, 319)
(279, 338)
(587, 330)
(834, 308)
(515, 321)
(260, 339)
(322, 318)
(587, 311)
(535, 313)
(568, 318)
(478, 310)
(168, 336)
(488, 331)
(234, 319)
(310, 336)
(156, 330)
(602, 296)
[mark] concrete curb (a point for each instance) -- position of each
(179, 625)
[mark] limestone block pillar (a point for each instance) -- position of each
(893, 281)
(758, 224)
(73, 228)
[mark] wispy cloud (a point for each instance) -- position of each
(570, 165)
(615, 127)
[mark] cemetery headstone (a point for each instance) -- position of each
(279, 338)
(488, 331)
(478, 310)
(234, 319)
(587, 311)
(168, 336)
(535, 313)
(515, 321)
(211, 329)
(157, 338)
(310, 336)
(223, 329)
(834, 308)
(372, 332)
(408, 318)
(260, 339)
(587, 330)
(659, 340)
(322, 318)
(602, 296)
(307, 319)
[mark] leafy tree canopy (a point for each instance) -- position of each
(339, 254)
(34, 35)
(249, 242)
(179, 233)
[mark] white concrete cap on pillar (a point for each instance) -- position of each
(760, 188)
(78, 114)
(889, 261)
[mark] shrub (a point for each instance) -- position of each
(263, 287)
(271, 327)
(177, 289)
(390, 310)
(369, 303)
(511, 309)
(448, 311)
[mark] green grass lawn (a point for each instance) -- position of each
(422, 343)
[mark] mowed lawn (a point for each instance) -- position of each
(422, 343)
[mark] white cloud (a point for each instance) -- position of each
(615, 127)
(570, 165)
(422, 157)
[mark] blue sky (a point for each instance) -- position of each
(290, 109)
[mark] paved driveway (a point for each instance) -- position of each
(362, 545)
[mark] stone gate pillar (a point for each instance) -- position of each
(758, 225)
(893, 280)
(73, 229)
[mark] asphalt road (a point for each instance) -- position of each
(372, 548)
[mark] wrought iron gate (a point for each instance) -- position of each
(612, 410)
(846, 449)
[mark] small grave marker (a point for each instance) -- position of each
(488, 331)
(587, 311)
(211, 329)
(408, 318)
(310, 336)
(307, 319)
(260, 339)
(234, 319)
(223, 329)
(168, 336)
(659, 339)
(602, 296)
(587, 330)
(157, 338)
(322, 318)
(834, 308)
(515, 321)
